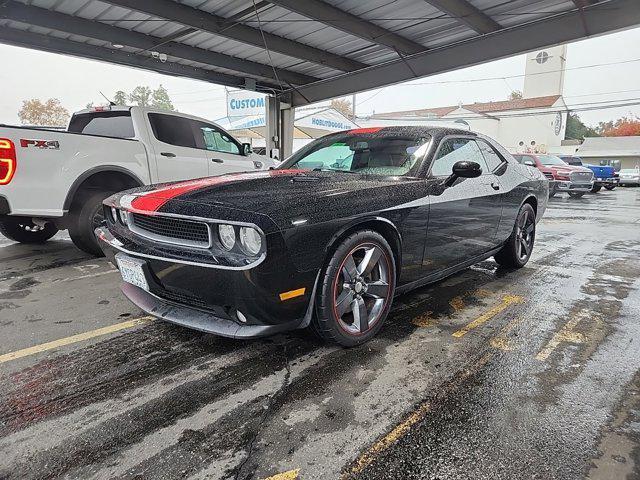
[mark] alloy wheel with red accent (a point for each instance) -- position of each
(357, 289)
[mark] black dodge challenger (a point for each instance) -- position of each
(327, 239)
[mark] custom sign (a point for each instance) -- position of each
(242, 103)
(43, 144)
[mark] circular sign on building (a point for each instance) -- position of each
(542, 57)
(557, 124)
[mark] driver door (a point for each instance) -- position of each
(463, 218)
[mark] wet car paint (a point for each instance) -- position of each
(545, 388)
(433, 229)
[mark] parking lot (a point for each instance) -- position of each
(488, 374)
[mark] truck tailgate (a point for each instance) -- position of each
(49, 163)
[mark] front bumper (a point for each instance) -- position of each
(569, 186)
(601, 182)
(209, 299)
(198, 319)
(629, 181)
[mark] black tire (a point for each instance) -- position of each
(369, 290)
(596, 188)
(514, 254)
(85, 218)
(576, 194)
(552, 191)
(25, 231)
(609, 187)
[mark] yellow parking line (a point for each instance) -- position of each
(565, 334)
(290, 475)
(80, 337)
(507, 300)
(370, 455)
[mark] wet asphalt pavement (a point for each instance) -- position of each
(488, 374)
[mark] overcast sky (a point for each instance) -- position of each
(32, 74)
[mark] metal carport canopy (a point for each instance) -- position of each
(304, 51)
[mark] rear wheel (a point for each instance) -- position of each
(357, 290)
(517, 251)
(576, 194)
(25, 231)
(85, 218)
(609, 187)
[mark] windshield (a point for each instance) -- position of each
(371, 153)
(572, 160)
(551, 160)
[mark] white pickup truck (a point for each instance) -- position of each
(52, 180)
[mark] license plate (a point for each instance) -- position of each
(131, 271)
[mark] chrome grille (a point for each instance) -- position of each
(172, 230)
(581, 177)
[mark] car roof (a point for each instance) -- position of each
(431, 130)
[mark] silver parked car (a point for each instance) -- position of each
(629, 177)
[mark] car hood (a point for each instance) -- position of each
(573, 168)
(285, 196)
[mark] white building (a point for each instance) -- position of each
(536, 122)
(619, 152)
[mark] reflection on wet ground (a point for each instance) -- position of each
(489, 373)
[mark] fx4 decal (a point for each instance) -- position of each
(46, 144)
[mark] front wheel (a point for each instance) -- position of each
(609, 187)
(596, 188)
(552, 191)
(85, 218)
(576, 194)
(25, 231)
(356, 290)
(517, 251)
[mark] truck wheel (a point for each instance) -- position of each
(609, 187)
(25, 231)
(552, 191)
(517, 251)
(356, 290)
(596, 188)
(576, 194)
(85, 219)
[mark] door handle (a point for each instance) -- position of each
(168, 154)
(217, 160)
(495, 186)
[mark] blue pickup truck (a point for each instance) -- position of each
(604, 176)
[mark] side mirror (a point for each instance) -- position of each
(463, 169)
(246, 149)
(529, 163)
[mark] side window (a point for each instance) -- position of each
(455, 150)
(216, 140)
(172, 130)
(492, 158)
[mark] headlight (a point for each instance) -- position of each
(227, 235)
(122, 215)
(251, 240)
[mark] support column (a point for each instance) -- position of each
(272, 117)
(287, 116)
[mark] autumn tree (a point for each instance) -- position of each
(50, 113)
(160, 99)
(623, 127)
(141, 96)
(343, 106)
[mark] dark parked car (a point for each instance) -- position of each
(327, 239)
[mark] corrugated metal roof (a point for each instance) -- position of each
(307, 47)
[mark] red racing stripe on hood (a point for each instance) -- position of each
(153, 200)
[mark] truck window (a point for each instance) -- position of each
(173, 130)
(108, 124)
(216, 140)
